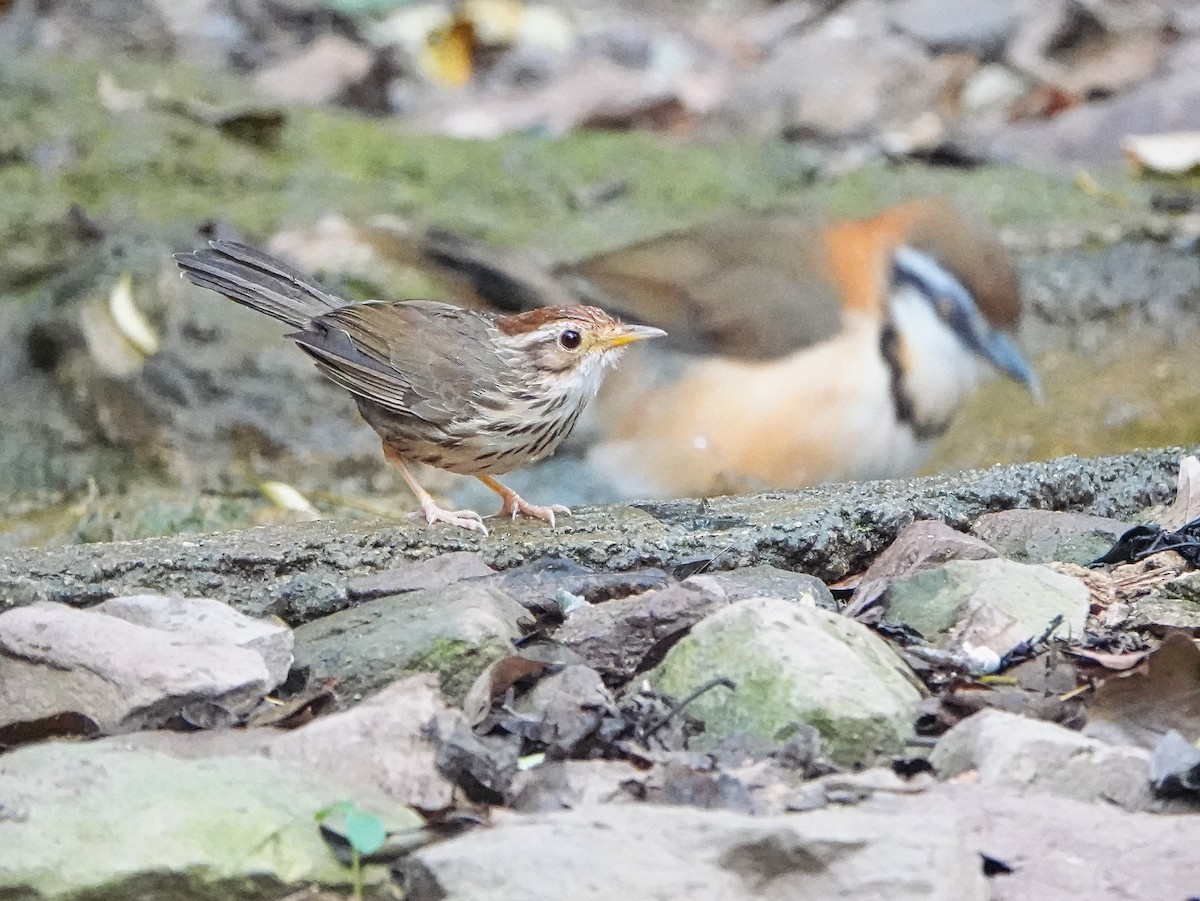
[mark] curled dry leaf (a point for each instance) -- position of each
(285, 497)
(496, 680)
(134, 327)
(1110, 661)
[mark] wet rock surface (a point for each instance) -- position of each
(300, 571)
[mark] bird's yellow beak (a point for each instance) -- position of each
(627, 334)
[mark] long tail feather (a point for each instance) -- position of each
(259, 281)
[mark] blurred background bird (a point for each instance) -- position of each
(799, 352)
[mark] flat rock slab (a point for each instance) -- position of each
(645, 851)
(213, 621)
(793, 664)
(455, 631)
(384, 746)
(302, 571)
(1040, 536)
(1068, 849)
(107, 823)
(1032, 757)
(56, 659)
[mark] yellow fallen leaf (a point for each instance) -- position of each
(130, 322)
(285, 497)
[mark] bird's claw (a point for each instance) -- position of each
(465, 519)
(516, 505)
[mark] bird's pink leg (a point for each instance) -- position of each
(430, 511)
(514, 505)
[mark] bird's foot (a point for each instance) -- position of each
(515, 505)
(466, 519)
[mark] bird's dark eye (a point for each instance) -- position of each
(570, 339)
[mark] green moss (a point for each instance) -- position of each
(777, 687)
(157, 164)
(457, 663)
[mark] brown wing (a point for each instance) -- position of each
(413, 358)
(754, 287)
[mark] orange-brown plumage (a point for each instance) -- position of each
(800, 351)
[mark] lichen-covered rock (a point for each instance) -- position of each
(454, 631)
(934, 601)
(1040, 536)
(110, 824)
(794, 664)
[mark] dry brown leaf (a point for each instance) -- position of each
(300, 710)
(495, 681)
(1099, 582)
(1159, 694)
(449, 54)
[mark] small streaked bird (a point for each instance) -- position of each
(799, 352)
(471, 392)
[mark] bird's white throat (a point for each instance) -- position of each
(938, 371)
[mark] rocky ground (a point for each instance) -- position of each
(895, 690)
(644, 701)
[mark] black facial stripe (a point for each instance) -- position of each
(902, 403)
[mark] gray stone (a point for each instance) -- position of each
(538, 585)
(436, 572)
(567, 784)
(615, 637)
(993, 89)
(935, 601)
(54, 659)
(564, 709)
(103, 822)
(847, 76)
(1071, 849)
(327, 70)
(765, 581)
(1034, 757)
(920, 545)
(201, 618)
(1040, 536)
(454, 631)
(1093, 132)
(794, 664)
(1176, 605)
(385, 746)
(982, 27)
(646, 851)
